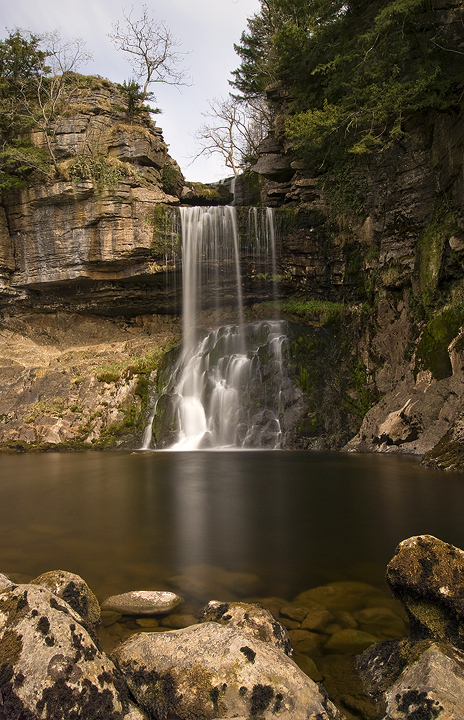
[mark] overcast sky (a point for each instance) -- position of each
(206, 29)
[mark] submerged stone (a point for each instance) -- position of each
(346, 595)
(203, 581)
(142, 602)
(349, 641)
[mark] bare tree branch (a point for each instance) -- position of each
(236, 130)
(151, 50)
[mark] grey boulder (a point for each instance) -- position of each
(413, 680)
(210, 670)
(142, 602)
(249, 618)
(75, 591)
(50, 665)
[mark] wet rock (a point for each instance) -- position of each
(50, 665)
(382, 622)
(345, 595)
(295, 612)
(176, 621)
(349, 641)
(249, 618)
(147, 623)
(74, 590)
(317, 620)
(345, 687)
(304, 641)
(4, 582)
(109, 617)
(308, 666)
(426, 576)
(210, 670)
(143, 602)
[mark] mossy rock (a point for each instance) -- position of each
(432, 350)
(426, 574)
(447, 454)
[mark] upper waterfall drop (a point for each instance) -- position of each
(227, 387)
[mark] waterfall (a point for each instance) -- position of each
(227, 386)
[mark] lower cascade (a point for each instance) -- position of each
(229, 387)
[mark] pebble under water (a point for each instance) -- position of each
(216, 524)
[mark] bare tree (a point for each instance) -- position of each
(55, 84)
(151, 49)
(236, 130)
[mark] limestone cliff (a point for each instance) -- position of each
(77, 240)
(74, 249)
(83, 269)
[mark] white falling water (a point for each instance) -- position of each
(225, 390)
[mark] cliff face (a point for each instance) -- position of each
(88, 241)
(402, 257)
(77, 240)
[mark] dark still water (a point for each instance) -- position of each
(187, 520)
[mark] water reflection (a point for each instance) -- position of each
(126, 521)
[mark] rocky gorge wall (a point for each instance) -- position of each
(390, 243)
(376, 298)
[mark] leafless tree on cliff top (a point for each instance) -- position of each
(235, 131)
(151, 49)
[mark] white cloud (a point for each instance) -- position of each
(207, 30)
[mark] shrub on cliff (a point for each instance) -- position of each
(354, 72)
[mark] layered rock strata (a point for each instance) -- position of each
(76, 240)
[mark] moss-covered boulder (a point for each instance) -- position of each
(75, 591)
(50, 666)
(427, 576)
(249, 618)
(209, 670)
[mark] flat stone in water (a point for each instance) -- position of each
(143, 602)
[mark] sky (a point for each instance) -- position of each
(206, 31)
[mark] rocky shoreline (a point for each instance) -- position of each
(338, 651)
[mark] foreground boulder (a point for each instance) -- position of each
(50, 666)
(427, 576)
(209, 670)
(250, 618)
(75, 591)
(414, 680)
(422, 677)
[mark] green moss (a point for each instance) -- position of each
(447, 454)
(55, 407)
(358, 396)
(250, 188)
(430, 253)
(202, 194)
(166, 231)
(323, 312)
(102, 171)
(432, 350)
(171, 179)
